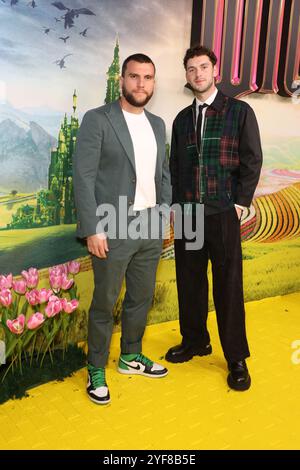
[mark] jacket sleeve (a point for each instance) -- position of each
(166, 189)
(174, 165)
(86, 161)
(250, 154)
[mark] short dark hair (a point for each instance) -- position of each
(141, 58)
(197, 51)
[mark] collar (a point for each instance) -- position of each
(217, 103)
(209, 100)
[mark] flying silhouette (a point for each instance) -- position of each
(83, 33)
(46, 30)
(64, 39)
(61, 62)
(71, 13)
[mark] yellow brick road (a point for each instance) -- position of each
(191, 408)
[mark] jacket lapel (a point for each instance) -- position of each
(118, 122)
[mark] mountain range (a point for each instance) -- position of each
(25, 152)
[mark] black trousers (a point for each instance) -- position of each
(222, 244)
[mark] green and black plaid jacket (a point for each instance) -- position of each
(225, 169)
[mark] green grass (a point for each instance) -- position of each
(39, 247)
(17, 383)
(270, 269)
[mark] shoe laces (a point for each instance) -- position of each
(144, 360)
(97, 376)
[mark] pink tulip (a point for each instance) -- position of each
(66, 283)
(6, 281)
(69, 306)
(31, 277)
(35, 321)
(58, 270)
(5, 297)
(33, 297)
(53, 307)
(16, 326)
(19, 286)
(55, 281)
(53, 298)
(44, 295)
(73, 267)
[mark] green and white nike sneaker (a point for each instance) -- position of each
(139, 364)
(97, 388)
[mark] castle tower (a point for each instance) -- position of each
(113, 77)
(74, 102)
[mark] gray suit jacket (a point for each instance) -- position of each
(104, 164)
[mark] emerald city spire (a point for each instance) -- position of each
(55, 204)
(113, 77)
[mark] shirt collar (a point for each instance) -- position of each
(209, 100)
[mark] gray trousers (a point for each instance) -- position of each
(137, 261)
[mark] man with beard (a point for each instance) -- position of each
(120, 155)
(215, 160)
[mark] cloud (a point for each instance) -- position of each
(15, 58)
(7, 43)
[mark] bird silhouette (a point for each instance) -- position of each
(57, 20)
(83, 33)
(61, 62)
(46, 30)
(71, 13)
(65, 39)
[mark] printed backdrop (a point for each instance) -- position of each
(58, 59)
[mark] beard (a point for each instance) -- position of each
(131, 99)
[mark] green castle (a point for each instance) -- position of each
(113, 77)
(55, 205)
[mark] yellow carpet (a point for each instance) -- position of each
(192, 408)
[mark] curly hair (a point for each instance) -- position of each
(197, 51)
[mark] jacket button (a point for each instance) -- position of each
(133, 180)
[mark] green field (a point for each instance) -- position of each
(270, 269)
(38, 247)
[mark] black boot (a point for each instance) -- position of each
(238, 377)
(184, 352)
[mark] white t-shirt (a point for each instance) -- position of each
(145, 154)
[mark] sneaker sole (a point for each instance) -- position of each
(136, 372)
(102, 402)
